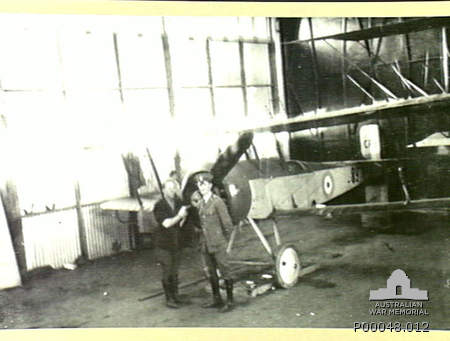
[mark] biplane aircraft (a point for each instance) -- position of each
(258, 189)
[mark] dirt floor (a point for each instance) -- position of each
(355, 255)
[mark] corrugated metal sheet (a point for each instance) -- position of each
(51, 239)
(104, 233)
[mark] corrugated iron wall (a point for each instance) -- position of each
(105, 234)
(51, 239)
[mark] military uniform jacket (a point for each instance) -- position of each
(166, 238)
(216, 223)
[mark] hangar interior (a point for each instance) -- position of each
(91, 105)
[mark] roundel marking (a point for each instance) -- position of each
(328, 184)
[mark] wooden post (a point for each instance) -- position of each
(81, 223)
(12, 211)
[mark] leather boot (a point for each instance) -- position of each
(170, 302)
(175, 295)
(229, 303)
(217, 299)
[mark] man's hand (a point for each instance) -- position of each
(183, 212)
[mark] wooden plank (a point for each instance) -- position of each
(308, 270)
(249, 262)
(181, 286)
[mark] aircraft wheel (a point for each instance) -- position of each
(287, 265)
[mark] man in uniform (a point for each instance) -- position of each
(169, 214)
(216, 226)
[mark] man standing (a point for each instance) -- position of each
(169, 214)
(216, 226)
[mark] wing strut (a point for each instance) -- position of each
(381, 86)
(359, 86)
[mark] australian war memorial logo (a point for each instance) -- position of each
(398, 298)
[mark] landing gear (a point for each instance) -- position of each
(287, 266)
(284, 257)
